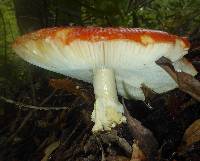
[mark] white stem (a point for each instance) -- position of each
(108, 111)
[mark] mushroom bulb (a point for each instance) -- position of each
(114, 59)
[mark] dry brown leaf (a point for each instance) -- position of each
(145, 138)
(137, 154)
(189, 84)
(112, 137)
(191, 135)
(69, 86)
(186, 82)
(148, 93)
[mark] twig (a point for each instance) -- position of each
(34, 101)
(101, 148)
(20, 105)
(48, 97)
(52, 147)
(71, 134)
(196, 48)
(21, 126)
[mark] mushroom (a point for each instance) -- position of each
(113, 59)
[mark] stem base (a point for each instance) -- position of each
(107, 114)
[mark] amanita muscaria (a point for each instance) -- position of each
(113, 59)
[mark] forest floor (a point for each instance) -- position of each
(49, 120)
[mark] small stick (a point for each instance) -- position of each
(20, 105)
(101, 148)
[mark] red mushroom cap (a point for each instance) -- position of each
(130, 52)
(94, 34)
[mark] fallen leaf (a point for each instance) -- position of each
(148, 93)
(145, 138)
(112, 137)
(191, 136)
(137, 154)
(186, 82)
(70, 86)
(189, 84)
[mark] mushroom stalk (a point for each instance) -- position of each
(108, 111)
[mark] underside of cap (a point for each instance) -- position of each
(153, 76)
(131, 53)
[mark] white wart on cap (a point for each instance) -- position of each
(105, 56)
